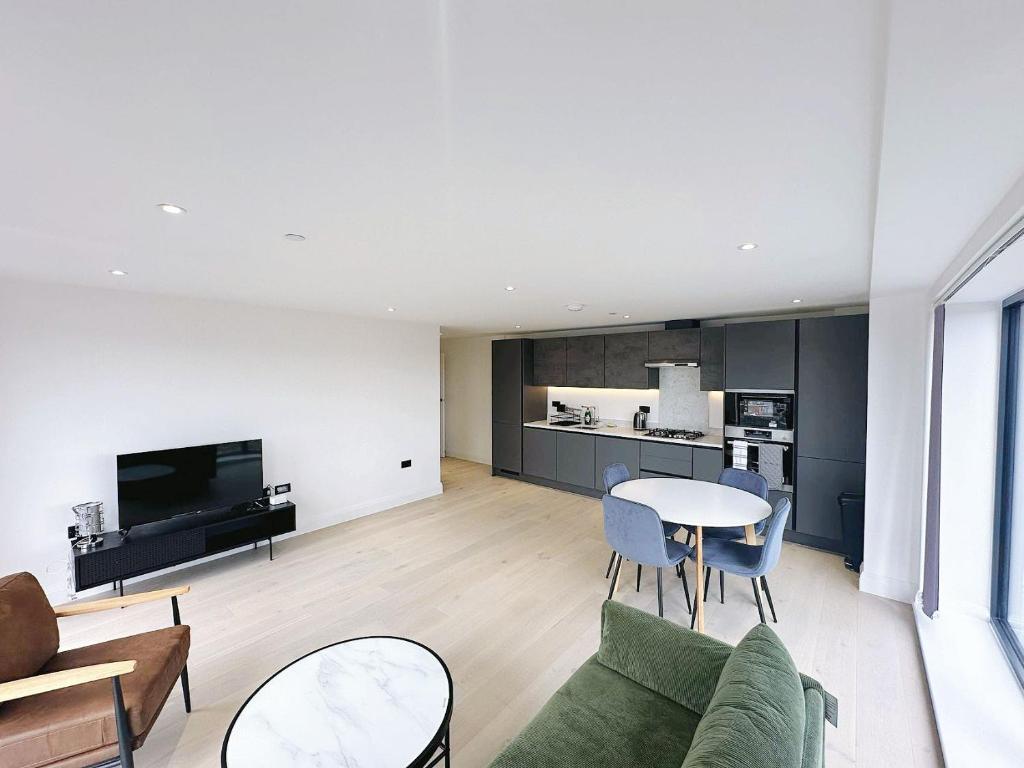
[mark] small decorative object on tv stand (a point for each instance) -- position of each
(88, 524)
(278, 494)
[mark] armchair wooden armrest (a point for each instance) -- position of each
(92, 606)
(53, 681)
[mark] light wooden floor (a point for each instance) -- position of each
(505, 581)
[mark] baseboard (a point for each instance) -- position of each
(343, 515)
(885, 586)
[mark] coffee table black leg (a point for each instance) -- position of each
(448, 747)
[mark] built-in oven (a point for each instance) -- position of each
(762, 410)
(766, 451)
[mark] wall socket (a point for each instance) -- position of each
(406, 463)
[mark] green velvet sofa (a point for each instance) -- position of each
(657, 695)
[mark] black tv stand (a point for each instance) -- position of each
(149, 548)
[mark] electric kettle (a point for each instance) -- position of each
(640, 417)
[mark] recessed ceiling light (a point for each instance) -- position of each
(747, 246)
(117, 272)
(171, 208)
(626, 316)
(613, 313)
(294, 237)
(797, 301)
(391, 309)
(510, 287)
(574, 307)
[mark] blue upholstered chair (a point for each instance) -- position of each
(613, 475)
(635, 532)
(752, 561)
(744, 480)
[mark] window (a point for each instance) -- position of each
(1008, 563)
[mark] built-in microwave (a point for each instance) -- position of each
(760, 410)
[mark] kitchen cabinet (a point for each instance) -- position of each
(514, 399)
(549, 362)
(539, 452)
(819, 483)
(666, 458)
(507, 381)
(574, 458)
(506, 447)
(833, 388)
(773, 499)
(760, 356)
(707, 464)
(712, 358)
(624, 358)
(675, 344)
(613, 450)
(584, 361)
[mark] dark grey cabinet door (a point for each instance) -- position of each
(760, 355)
(614, 450)
(574, 459)
(674, 344)
(707, 464)
(507, 446)
(712, 358)
(666, 458)
(833, 388)
(549, 362)
(507, 381)
(539, 452)
(624, 358)
(773, 499)
(819, 483)
(584, 361)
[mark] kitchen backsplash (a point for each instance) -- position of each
(682, 405)
(679, 403)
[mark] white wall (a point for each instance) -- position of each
(90, 373)
(467, 396)
(898, 357)
(970, 405)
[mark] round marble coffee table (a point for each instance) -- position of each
(371, 702)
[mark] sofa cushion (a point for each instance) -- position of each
(28, 628)
(757, 715)
(58, 727)
(672, 660)
(600, 718)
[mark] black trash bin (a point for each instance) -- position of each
(851, 512)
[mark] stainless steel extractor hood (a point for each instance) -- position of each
(675, 363)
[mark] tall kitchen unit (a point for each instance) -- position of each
(514, 400)
(831, 435)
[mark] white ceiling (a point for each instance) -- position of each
(953, 137)
(607, 153)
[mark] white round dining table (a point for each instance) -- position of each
(699, 504)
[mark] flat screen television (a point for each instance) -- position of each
(157, 485)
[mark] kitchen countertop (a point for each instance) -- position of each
(712, 438)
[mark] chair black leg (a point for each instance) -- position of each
(689, 536)
(611, 562)
(638, 569)
(707, 582)
(124, 731)
(693, 612)
(615, 576)
(757, 597)
(721, 586)
(686, 588)
(771, 607)
(184, 689)
(661, 603)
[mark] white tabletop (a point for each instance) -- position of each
(373, 702)
(695, 502)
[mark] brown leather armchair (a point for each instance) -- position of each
(88, 706)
